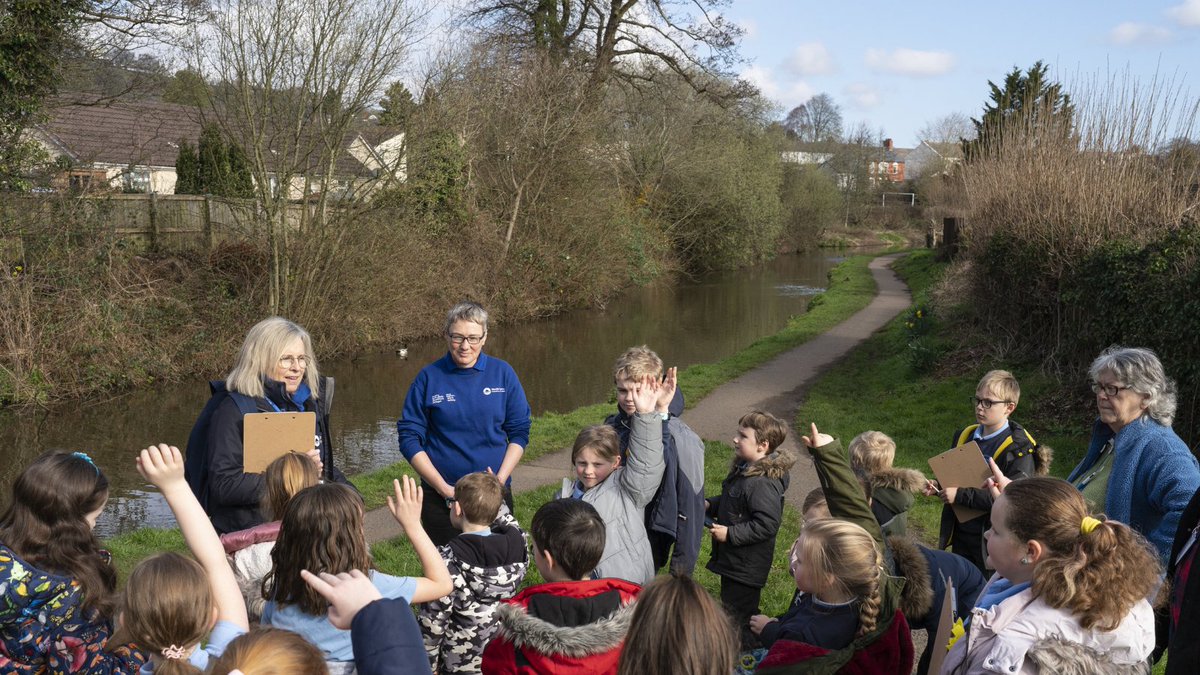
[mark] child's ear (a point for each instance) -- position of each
(551, 563)
(1034, 550)
(616, 461)
(457, 510)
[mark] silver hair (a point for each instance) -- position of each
(260, 353)
(1139, 369)
(466, 311)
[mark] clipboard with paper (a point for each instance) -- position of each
(268, 436)
(945, 627)
(961, 467)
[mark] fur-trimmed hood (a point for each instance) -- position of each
(905, 480)
(776, 464)
(1055, 655)
(916, 599)
(577, 642)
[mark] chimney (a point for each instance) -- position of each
(887, 144)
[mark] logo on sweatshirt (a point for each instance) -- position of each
(443, 398)
(488, 391)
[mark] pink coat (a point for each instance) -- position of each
(249, 553)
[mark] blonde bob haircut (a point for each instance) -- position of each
(872, 451)
(636, 364)
(260, 354)
(271, 651)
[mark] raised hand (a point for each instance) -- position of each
(645, 394)
(816, 439)
(347, 594)
(666, 391)
(161, 464)
(405, 504)
(998, 481)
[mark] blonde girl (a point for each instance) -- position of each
(56, 583)
(322, 532)
(249, 550)
(270, 651)
(840, 573)
(620, 493)
(173, 604)
(1069, 592)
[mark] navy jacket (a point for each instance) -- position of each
(387, 641)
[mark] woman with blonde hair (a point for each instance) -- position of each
(276, 371)
(678, 629)
(1069, 592)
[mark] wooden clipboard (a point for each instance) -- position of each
(268, 436)
(961, 467)
(945, 624)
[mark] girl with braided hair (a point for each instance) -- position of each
(839, 573)
(1069, 592)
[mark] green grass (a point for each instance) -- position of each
(395, 556)
(851, 288)
(875, 388)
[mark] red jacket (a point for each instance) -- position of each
(565, 627)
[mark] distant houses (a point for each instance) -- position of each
(887, 163)
(132, 146)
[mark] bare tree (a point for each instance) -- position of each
(689, 37)
(952, 128)
(291, 79)
(819, 120)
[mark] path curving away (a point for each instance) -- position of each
(777, 386)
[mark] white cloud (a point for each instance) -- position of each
(788, 94)
(912, 62)
(1186, 14)
(810, 58)
(862, 96)
(1129, 33)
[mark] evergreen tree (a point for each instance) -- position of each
(397, 105)
(187, 170)
(238, 182)
(1029, 103)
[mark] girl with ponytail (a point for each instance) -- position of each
(172, 603)
(1069, 592)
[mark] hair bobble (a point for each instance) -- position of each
(1089, 523)
(174, 652)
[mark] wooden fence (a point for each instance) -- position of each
(172, 222)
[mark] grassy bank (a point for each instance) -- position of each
(850, 289)
(876, 387)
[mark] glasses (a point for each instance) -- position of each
(450, 501)
(456, 339)
(986, 403)
(1110, 390)
(292, 361)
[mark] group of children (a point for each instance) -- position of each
(1067, 588)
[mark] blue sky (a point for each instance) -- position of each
(897, 66)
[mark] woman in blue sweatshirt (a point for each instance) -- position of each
(465, 412)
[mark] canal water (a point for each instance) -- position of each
(564, 362)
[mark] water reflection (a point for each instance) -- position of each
(564, 362)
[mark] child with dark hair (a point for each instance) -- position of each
(322, 531)
(56, 583)
(249, 550)
(487, 564)
(747, 514)
(570, 623)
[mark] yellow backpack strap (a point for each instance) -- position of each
(1003, 446)
(966, 434)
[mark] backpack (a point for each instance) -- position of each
(195, 462)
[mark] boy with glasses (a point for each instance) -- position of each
(1003, 440)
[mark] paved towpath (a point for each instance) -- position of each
(777, 386)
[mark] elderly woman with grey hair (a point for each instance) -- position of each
(465, 412)
(1137, 470)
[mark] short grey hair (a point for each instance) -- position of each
(260, 353)
(466, 311)
(1140, 370)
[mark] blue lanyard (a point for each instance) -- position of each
(272, 404)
